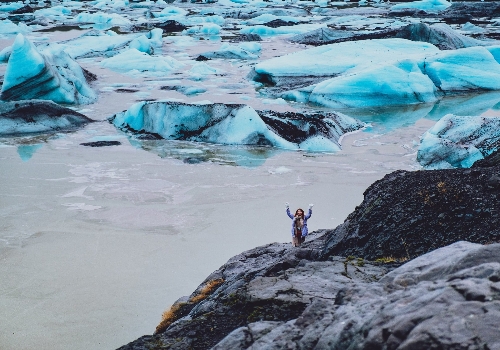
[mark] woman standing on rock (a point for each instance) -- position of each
(299, 224)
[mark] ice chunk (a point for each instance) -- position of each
(243, 51)
(192, 20)
(268, 17)
(424, 5)
(335, 59)
(9, 27)
(236, 124)
(204, 29)
(5, 54)
(459, 141)
(468, 69)
(55, 12)
(269, 31)
(36, 116)
(133, 59)
(471, 28)
(11, 6)
(104, 19)
(53, 75)
(148, 42)
(200, 70)
(399, 84)
(171, 11)
(97, 43)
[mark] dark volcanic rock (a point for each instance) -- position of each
(101, 143)
(278, 297)
(263, 284)
(37, 116)
(407, 214)
(448, 299)
(489, 161)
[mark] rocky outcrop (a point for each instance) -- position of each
(278, 297)
(325, 295)
(447, 299)
(35, 116)
(407, 214)
(272, 284)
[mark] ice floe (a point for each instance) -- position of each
(9, 27)
(459, 141)
(335, 59)
(243, 51)
(97, 43)
(108, 19)
(48, 75)
(133, 60)
(148, 42)
(22, 117)
(424, 5)
(237, 125)
(396, 72)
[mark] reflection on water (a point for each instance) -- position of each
(198, 152)
(27, 151)
(392, 118)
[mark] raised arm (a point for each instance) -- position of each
(310, 212)
(288, 210)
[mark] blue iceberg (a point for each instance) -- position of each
(234, 124)
(424, 5)
(51, 75)
(134, 60)
(459, 141)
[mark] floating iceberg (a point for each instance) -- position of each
(320, 63)
(171, 11)
(424, 5)
(148, 42)
(237, 124)
(135, 60)
(459, 141)
(468, 69)
(111, 19)
(204, 29)
(399, 84)
(200, 70)
(9, 27)
(54, 12)
(96, 43)
(51, 75)
(35, 116)
(242, 51)
(389, 75)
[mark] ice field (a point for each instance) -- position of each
(212, 116)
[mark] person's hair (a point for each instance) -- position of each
(297, 211)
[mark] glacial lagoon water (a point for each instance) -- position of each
(96, 242)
